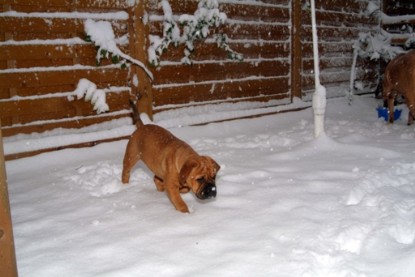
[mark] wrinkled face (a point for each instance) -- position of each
(199, 175)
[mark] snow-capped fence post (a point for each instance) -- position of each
(7, 252)
(352, 76)
(296, 56)
(141, 84)
(319, 96)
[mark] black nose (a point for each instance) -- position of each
(209, 191)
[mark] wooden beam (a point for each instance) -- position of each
(141, 84)
(296, 53)
(52, 149)
(7, 253)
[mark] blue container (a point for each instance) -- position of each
(384, 112)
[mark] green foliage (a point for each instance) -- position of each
(114, 59)
(87, 38)
(194, 28)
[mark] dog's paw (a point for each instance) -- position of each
(183, 209)
(125, 179)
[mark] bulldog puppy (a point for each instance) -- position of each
(399, 79)
(176, 166)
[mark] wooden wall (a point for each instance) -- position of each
(42, 58)
(339, 25)
(275, 66)
(403, 29)
(258, 30)
(43, 55)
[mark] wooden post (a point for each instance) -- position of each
(8, 265)
(296, 53)
(141, 84)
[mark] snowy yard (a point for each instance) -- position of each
(287, 205)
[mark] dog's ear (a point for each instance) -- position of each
(185, 170)
(216, 166)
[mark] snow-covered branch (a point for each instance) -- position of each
(406, 32)
(89, 91)
(102, 35)
(194, 27)
(376, 46)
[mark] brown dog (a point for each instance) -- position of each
(399, 79)
(176, 166)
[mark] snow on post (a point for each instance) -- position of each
(319, 96)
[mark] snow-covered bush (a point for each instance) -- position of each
(194, 27)
(406, 31)
(102, 35)
(376, 46)
(89, 91)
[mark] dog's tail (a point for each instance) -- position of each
(136, 115)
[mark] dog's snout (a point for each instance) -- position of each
(208, 191)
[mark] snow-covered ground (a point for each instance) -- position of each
(287, 205)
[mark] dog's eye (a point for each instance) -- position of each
(200, 180)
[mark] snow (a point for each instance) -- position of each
(177, 116)
(102, 35)
(56, 68)
(373, 9)
(78, 15)
(319, 95)
(319, 108)
(88, 90)
(287, 204)
(397, 19)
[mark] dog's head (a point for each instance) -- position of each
(199, 175)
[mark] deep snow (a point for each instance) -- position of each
(287, 205)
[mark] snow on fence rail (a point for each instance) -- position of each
(398, 20)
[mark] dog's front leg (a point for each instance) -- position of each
(391, 100)
(411, 118)
(159, 183)
(173, 193)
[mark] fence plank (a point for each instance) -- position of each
(60, 77)
(56, 108)
(70, 123)
(62, 5)
(220, 91)
(218, 71)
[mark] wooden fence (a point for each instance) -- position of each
(43, 56)
(401, 29)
